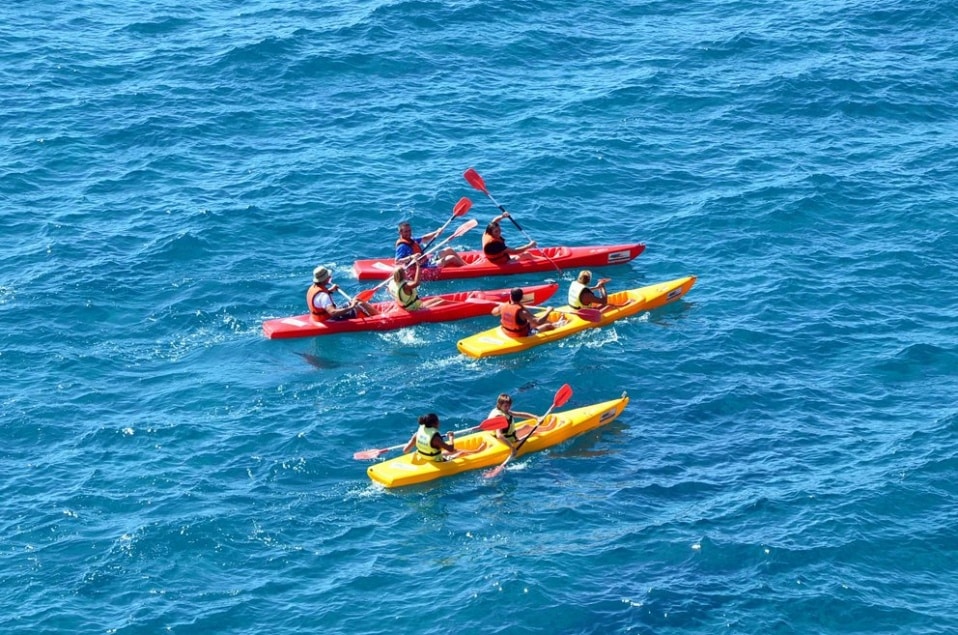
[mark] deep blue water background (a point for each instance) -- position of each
(172, 172)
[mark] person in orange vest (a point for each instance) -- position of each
(407, 248)
(494, 245)
(319, 299)
(516, 320)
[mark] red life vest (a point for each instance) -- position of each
(320, 315)
(511, 322)
(416, 247)
(494, 249)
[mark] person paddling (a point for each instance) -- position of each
(494, 245)
(405, 292)
(429, 443)
(517, 321)
(409, 249)
(582, 295)
(319, 299)
(504, 409)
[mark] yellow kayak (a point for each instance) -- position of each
(495, 341)
(484, 449)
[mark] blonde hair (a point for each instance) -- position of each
(398, 275)
(585, 276)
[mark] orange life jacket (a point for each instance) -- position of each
(320, 315)
(497, 257)
(416, 247)
(511, 322)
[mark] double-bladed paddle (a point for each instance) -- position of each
(561, 397)
(459, 209)
(476, 181)
(366, 296)
(495, 423)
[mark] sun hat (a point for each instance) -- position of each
(320, 275)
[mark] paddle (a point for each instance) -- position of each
(366, 296)
(587, 314)
(362, 310)
(495, 423)
(476, 181)
(459, 209)
(562, 396)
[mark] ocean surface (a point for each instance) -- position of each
(172, 172)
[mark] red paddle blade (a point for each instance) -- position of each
(475, 180)
(495, 423)
(461, 207)
(562, 396)
(370, 454)
(469, 224)
(366, 296)
(590, 315)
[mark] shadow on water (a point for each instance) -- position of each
(318, 362)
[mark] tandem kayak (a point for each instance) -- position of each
(486, 450)
(495, 342)
(455, 306)
(538, 260)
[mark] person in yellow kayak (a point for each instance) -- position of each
(494, 245)
(517, 321)
(504, 409)
(405, 292)
(409, 249)
(581, 295)
(319, 299)
(429, 443)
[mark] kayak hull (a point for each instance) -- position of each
(538, 260)
(456, 306)
(495, 342)
(486, 450)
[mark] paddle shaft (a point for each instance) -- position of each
(477, 182)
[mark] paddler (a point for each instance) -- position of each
(504, 409)
(405, 292)
(409, 249)
(494, 245)
(516, 320)
(581, 295)
(429, 443)
(319, 299)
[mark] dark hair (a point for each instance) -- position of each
(430, 420)
(490, 226)
(516, 294)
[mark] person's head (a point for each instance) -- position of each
(430, 420)
(399, 275)
(405, 230)
(516, 294)
(585, 276)
(504, 402)
(321, 275)
(494, 229)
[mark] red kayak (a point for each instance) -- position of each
(456, 306)
(477, 265)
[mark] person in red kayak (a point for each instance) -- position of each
(429, 443)
(405, 292)
(504, 409)
(581, 295)
(517, 321)
(494, 245)
(408, 248)
(319, 299)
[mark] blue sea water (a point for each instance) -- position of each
(172, 172)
